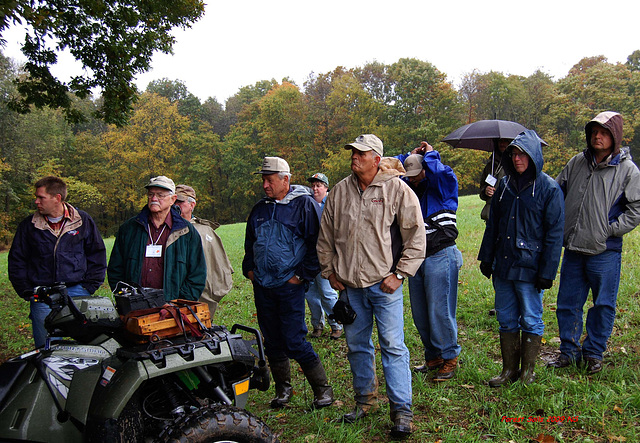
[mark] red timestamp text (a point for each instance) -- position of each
(538, 419)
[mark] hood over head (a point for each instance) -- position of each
(610, 120)
(529, 142)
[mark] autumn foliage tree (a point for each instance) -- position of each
(216, 148)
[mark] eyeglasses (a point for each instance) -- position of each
(518, 154)
(158, 195)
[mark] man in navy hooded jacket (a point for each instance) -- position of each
(523, 238)
(280, 259)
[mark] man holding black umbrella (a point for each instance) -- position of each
(491, 175)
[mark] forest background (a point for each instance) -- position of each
(216, 147)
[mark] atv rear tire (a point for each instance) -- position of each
(218, 424)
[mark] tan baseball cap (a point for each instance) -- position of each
(162, 181)
(185, 193)
(367, 142)
(273, 165)
(413, 165)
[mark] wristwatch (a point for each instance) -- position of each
(299, 278)
(399, 276)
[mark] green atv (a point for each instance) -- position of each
(104, 386)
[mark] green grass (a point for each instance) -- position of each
(605, 407)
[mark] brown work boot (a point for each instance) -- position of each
(447, 371)
(335, 334)
(431, 365)
(402, 426)
(317, 332)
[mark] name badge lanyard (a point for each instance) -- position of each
(154, 250)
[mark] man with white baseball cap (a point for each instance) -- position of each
(280, 259)
(158, 248)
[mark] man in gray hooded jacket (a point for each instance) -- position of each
(602, 203)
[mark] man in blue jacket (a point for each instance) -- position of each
(58, 243)
(523, 238)
(280, 259)
(434, 288)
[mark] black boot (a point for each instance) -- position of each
(529, 353)
(281, 372)
(510, 350)
(322, 392)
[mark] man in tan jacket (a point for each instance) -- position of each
(371, 238)
(219, 270)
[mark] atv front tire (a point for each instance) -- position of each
(218, 424)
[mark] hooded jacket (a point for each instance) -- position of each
(280, 240)
(219, 269)
(602, 200)
(355, 241)
(185, 270)
(524, 231)
(77, 255)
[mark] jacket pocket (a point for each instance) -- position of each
(529, 253)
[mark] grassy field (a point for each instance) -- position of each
(563, 405)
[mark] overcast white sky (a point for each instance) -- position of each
(240, 42)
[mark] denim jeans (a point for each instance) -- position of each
(281, 319)
(580, 273)
(518, 306)
(434, 300)
(387, 309)
(321, 297)
(40, 310)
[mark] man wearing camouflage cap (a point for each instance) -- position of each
(219, 270)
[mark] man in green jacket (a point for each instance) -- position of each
(158, 248)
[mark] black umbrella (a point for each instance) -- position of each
(481, 134)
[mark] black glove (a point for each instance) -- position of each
(27, 294)
(543, 283)
(486, 268)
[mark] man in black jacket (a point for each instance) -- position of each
(58, 243)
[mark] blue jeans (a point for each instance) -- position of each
(518, 306)
(40, 310)
(321, 297)
(387, 309)
(281, 320)
(434, 300)
(579, 274)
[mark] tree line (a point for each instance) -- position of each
(216, 147)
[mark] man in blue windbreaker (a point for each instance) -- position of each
(523, 239)
(280, 259)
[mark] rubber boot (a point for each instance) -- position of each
(529, 353)
(281, 372)
(322, 392)
(510, 350)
